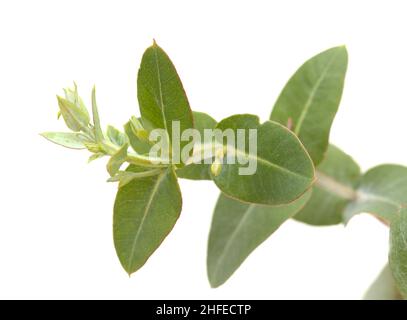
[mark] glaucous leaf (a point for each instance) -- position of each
(384, 287)
(283, 168)
(124, 177)
(117, 160)
(96, 120)
(382, 191)
(337, 176)
(145, 211)
(66, 139)
(115, 136)
(238, 228)
(160, 93)
(398, 250)
(198, 171)
(141, 146)
(72, 96)
(310, 99)
(74, 116)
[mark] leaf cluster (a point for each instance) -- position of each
(299, 174)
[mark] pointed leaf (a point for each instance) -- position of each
(74, 117)
(96, 120)
(117, 160)
(145, 211)
(139, 145)
(382, 191)
(310, 99)
(72, 96)
(384, 287)
(284, 170)
(96, 156)
(66, 139)
(125, 177)
(238, 228)
(161, 96)
(337, 177)
(115, 136)
(199, 171)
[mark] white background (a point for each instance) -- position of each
(233, 57)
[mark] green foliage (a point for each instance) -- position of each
(398, 250)
(161, 95)
(311, 97)
(238, 228)
(145, 211)
(284, 169)
(384, 287)
(254, 205)
(337, 176)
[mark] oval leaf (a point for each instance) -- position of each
(284, 170)
(141, 146)
(161, 95)
(337, 177)
(145, 211)
(310, 99)
(398, 251)
(237, 229)
(66, 139)
(198, 171)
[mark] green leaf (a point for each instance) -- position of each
(382, 192)
(96, 156)
(238, 228)
(161, 96)
(139, 145)
(96, 120)
(310, 99)
(125, 177)
(398, 250)
(117, 160)
(284, 170)
(337, 177)
(384, 287)
(198, 171)
(115, 136)
(74, 116)
(145, 211)
(72, 96)
(66, 139)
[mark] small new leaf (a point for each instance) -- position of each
(125, 177)
(115, 136)
(117, 160)
(96, 120)
(66, 139)
(74, 116)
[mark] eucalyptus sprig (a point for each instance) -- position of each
(298, 173)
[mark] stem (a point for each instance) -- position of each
(333, 186)
(135, 158)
